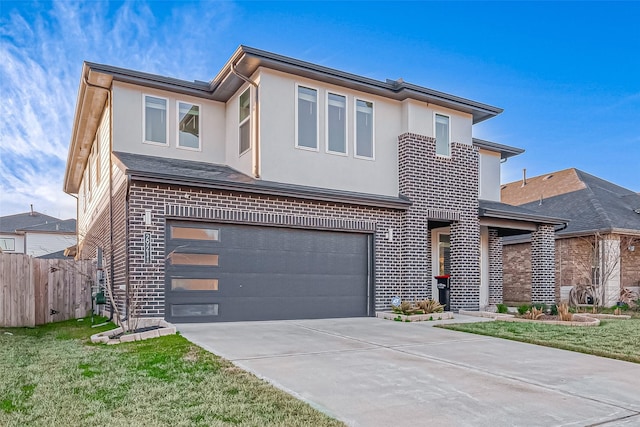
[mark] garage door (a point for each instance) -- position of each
(229, 272)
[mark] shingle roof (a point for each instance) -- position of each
(488, 208)
(60, 226)
(33, 220)
(595, 205)
(209, 175)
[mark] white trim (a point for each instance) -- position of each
(178, 126)
(302, 147)
(435, 135)
(144, 121)
(355, 129)
(326, 127)
(245, 120)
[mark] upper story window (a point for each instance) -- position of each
(307, 120)
(336, 123)
(244, 108)
(188, 125)
(155, 120)
(364, 129)
(442, 135)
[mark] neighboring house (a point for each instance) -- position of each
(601, 243)
(284, 189)
(36, 234)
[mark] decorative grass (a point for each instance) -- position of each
(52, 375)
(616, 339)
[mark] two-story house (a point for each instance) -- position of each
(284, 189)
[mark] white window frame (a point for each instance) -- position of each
(435, 125)
(326, 128)
(355, 129)
(246, 119)
(302, 147)
(144, 121)
(178, 126)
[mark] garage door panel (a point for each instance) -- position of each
(266, 273)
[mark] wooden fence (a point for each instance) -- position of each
(36, 291)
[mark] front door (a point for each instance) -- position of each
(441, 257)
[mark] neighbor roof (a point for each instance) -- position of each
(591, 203)
(32, 220)
(59, 226)
(207, 175)
(96, 81)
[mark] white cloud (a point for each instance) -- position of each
(43, 49)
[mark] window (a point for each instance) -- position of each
(245, 121)
(307, 121)
(444, 254)
(155, 120)
(183, 284)
(336, 123)
(364, 129)
(188, 125)
(442, 135)
(193, 310)
(195, 233)
(8, 244)
(193, 259)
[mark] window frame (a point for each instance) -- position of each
(245, 120)
(303, 147)
(346, 121)
(355, 129)
(435, 134)
(144, 121)
(178, 125)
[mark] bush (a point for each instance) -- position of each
(502, 308)
(523, 309)
(554, 310)
(539, 306)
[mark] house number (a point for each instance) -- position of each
(147, 248)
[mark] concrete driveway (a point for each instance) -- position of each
(373, 372)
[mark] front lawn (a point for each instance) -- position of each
(52, 376)
(617, 339)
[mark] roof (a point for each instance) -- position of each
(208, 175)
(96, 81)
(591, 203)
(54, 255)
(505, 151)
(491, 209)
(35, 221)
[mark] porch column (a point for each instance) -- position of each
(465, 264)
(543, 269)
(495, 267)
(610, 269)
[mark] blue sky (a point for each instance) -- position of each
(567, 74)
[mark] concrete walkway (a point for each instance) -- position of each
(373, 372)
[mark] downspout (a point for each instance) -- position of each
(110, 106)
(256, 111)
(126, 245)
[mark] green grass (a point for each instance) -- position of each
(616, 339)
(52, 375)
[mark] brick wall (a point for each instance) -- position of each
(147, 280)
(543, 279)
(445, 190)
(630, 262)
(516, 265)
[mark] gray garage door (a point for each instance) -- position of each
(229, 272)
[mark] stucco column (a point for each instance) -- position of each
(495, 267)
(543, 252)
(609, 249)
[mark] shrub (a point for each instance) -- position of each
(534, 313)
(502, 308)
(554, 310)
(429, 306)
(523, 309)
(564, 312)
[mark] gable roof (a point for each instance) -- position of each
(591, 203)
(207, 175)
(35, 221)
(96, 81)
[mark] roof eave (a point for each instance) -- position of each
(540, 219)
(505, 151)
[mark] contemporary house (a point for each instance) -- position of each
(36, 234)
(284, 189)
(600, 245)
